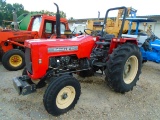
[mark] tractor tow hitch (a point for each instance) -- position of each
(22, 86)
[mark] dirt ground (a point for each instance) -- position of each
(97, 101)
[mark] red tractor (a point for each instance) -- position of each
(58, 59)
(12, 41)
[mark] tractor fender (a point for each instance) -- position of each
(6, 46)
(118, 41)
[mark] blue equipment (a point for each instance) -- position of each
(149, 45)
(152, 54)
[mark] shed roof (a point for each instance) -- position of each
(154, 17)
(140, 19)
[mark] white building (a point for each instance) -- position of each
(80, 24)
(77, 27)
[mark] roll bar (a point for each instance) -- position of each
(123, 20)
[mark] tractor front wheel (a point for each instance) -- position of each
(124, 67)
(61, 95)
(13, 60)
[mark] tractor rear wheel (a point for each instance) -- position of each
(61, 95)
(13, 60)
(124, 67)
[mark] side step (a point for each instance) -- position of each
(22, 86)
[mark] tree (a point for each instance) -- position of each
(62, 14)
(71, 18)
(19, 8)
(44, 12)
(6, 11)
(2, 7)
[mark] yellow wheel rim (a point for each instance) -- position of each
(65, 97)
(15, 60)
(130, 69)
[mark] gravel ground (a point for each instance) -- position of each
(97, 101)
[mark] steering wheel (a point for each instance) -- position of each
(73, 31)
(93, 32)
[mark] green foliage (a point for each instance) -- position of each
(2, 10)
(44, 12)
(71, 18)
(62, 14)
(19, 8)
(6, 11)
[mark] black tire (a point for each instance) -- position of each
(53, 90)
(7, 56)
(1, 54)
(115, 74)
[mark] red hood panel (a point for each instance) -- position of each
(60, 42)
(44, 49)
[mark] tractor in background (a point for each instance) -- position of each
(12, 41)
(57, 59)
(151, 49)
(148, 42)
(113, 26)
(22, 21)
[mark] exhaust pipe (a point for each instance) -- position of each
(98, 15)
(15, 19)
(57, 22)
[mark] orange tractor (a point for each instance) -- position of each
(12, 41)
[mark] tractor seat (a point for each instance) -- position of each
(107, 37)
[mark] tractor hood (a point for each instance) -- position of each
(39, 51)
(76, 41)
(81, 46)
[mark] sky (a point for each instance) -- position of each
(79, 9)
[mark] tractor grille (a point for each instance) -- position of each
(28, 60)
